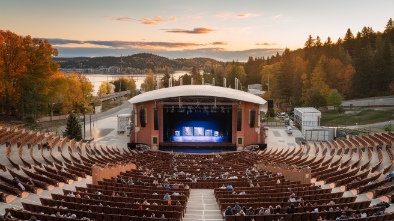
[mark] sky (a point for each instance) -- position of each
(225, 30)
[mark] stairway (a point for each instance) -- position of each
(202, 206)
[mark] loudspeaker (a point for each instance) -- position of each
(142, 117)
(252, 118)
(270, 104)
(262, 146)
(239, 120)
(155, 119)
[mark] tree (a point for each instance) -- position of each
(334, 98)
(73, 127)
(78, 94)
(105, 88)
(310, 42)
(56, 93)
(389, 26)
(149, 82)
(26, 67)
(165, 80)
(349, 35)
(238, 72)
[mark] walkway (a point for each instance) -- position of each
(202, 206)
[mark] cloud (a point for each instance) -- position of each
(122, 18)
(154, 21)
(266, 44)
(194, 31)
(171, 18)
(219, 43)
(66, 43)
(223, 15)
(247, 15)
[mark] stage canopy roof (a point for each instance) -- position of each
(197, 91)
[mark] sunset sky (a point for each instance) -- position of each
(220, 29)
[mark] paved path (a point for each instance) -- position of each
(202, 206)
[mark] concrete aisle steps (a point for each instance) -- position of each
(202, 206)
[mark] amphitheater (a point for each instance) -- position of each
(346, 178)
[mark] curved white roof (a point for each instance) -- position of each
(197, 90)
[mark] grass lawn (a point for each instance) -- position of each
(360, 117)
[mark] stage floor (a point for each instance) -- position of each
(202, 147)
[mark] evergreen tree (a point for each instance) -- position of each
(73, 127)
(334, 98)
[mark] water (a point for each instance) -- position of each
(97, 79)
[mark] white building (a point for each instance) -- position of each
(307, 119)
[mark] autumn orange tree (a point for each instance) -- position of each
(30, 84)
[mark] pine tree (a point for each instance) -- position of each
(73, 128)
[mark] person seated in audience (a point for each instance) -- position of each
(281, 218)
(291, 209)
(153, 215)
(268, 210)
(363, 215)
(145, 202)
(390, 175)
(228, 211)
(277, 209)
(342, 216)
(236, 207)
(278, 181)
(261, 211)
(30, 182)
(175, 194)
(300, 202)
(320, 218)
(250, 211)
(178, 203)
(32, 218)
(229, 187)
(167, 185)
(186, 186)
(330, 209)
(257, 185)
(331, 203)
(77, 195)
(175, 186)
(124, 194)
(292, 199)
(242, 193)
(20, 185)
(167, 197)
(154, 204)
(315, 204)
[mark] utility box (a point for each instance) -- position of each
(123, 122)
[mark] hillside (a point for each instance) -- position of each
(137, 61)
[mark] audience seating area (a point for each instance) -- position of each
(159, 188)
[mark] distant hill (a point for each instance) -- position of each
(137, 61)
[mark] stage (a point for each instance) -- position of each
(197, 147)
